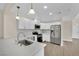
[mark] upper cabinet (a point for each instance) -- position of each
(48, 25)
(25, 24)
(30, 24)
(45, 26)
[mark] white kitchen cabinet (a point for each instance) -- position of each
(45, 26)
(40, 52)
(29, 25)
(46, 37)
(20, 24)
(25, 24)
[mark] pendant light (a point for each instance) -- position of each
(17, 17)
(31, 11)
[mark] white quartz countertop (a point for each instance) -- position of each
(9, 47)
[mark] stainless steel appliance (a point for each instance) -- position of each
(39, 36)
(55, 34)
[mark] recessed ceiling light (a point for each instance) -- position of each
(50, 13)
(45, 7)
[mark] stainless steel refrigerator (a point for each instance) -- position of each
(55, 34)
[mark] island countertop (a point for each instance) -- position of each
(9, 47)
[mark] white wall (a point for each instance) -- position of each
(75, 27)
(66, 29)
(9, 22)
(1, 25)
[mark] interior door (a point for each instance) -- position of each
(56, 34)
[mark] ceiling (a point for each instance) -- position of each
(2, 6)
(58, 10)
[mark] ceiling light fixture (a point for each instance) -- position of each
(50, 13)
(45, 7)
(31, 11)
(17, 17)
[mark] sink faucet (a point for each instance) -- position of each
(19, 35)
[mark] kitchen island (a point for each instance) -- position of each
(9, 47)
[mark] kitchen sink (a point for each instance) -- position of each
(25, 42)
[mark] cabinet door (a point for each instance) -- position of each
(45, 26)
(29, 25)
(20, 24)
(25, 24)
(46, 37)
(40, 53)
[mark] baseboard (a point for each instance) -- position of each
(61, 44)
(76, 38)
(68, 40)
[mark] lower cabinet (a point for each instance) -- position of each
(46, 37)
(40, 52)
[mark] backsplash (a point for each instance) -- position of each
(28, 33)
